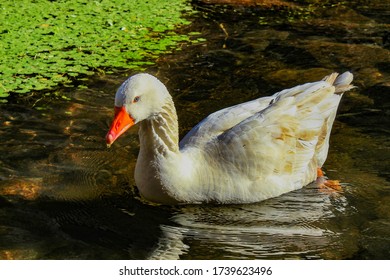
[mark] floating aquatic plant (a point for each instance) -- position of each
(44, 44)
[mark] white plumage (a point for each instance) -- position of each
(245, 153)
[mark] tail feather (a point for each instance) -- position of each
(341, 82)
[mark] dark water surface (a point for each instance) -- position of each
(63, 195)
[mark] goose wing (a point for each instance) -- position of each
(221, 121)
(288, 137)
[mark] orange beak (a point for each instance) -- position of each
(122, 122)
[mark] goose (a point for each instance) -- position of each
(241, 154)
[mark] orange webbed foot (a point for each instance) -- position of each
(331, 184)
(325, 184)
(320, 173)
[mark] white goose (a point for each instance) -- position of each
(245, 153)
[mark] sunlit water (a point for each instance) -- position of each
(64, 195)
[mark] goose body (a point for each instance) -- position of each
(242, 154)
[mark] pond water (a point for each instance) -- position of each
(64, 195)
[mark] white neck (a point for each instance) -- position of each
(159, 134)
(159, 139)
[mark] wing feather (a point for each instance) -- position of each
(221, 121)
(282, 138)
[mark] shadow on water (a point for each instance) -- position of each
(94, 229)
(63, 195)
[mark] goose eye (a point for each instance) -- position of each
(136, 99)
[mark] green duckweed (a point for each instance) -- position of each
(46, 44)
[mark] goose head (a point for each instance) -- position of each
(140, 97)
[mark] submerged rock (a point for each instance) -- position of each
(289, 77)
